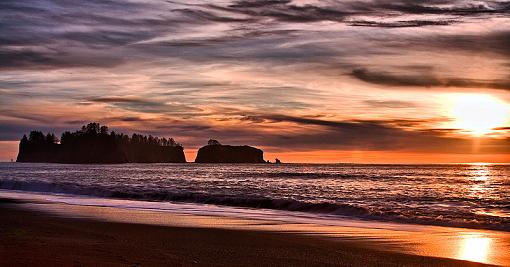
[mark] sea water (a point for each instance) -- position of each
(464, 195)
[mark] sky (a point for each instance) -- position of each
(370, 81)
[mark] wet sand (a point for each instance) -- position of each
(32, 237)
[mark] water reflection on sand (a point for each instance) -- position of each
(475, 247)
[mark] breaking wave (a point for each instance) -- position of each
(386, 213)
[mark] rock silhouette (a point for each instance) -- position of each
(93, 144)
(215, 152)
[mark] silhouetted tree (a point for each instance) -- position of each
(24, 140)
(91, 128)
(66, 138)
(103, 130)
(171, 142)
(93, 143)
(51, 139)
(36, 137)
(213, 142)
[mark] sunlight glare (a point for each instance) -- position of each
(475, 248)
(478, 114)
(480, 172)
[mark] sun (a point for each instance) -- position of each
(478, 114)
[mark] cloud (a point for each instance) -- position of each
(385, 78)
(31, 59)
(63, 34)
(390, 104)
(402, 23)
(350, 11)
(285, 11)
(69, 34)
(457, 8)
(297, 134)
(10, 131)
(116, 99)
(147, 105)
(197, 70)
(426, 80)
(372, 135)
(492, 42)
(203, 15)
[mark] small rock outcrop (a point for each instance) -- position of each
(215, 152)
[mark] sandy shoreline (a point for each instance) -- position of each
(31, 237)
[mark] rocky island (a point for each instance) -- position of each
(215, 152)
(94, 144)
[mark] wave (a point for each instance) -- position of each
(308, 175)
(261, 202)
(361, 176)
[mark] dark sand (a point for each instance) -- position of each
(33, 238)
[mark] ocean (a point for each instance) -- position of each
(458, 195)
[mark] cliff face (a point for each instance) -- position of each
(91, 145)
(229, 154)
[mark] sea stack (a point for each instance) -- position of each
(94, 144)
(215, 152)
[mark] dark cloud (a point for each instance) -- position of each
(28, 59)
(116, 99)
(130, 119)
(63, 34)
(425, 79)
(319, 134)
(103, 34)
(285, 11)
(114, 119)
(10, 58)
(372, 135)
(493, 42)
(342, 11)
(385, 78)
(259, 4)
(402, 24)
(430, 7)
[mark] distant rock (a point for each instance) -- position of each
(217, 153)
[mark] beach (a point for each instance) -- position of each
(40, 233)
(254, 215)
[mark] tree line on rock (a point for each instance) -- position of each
(95, 144)
(95, 131)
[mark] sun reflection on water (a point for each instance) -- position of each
(480, 171)
(475, 247)
(480, 175)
